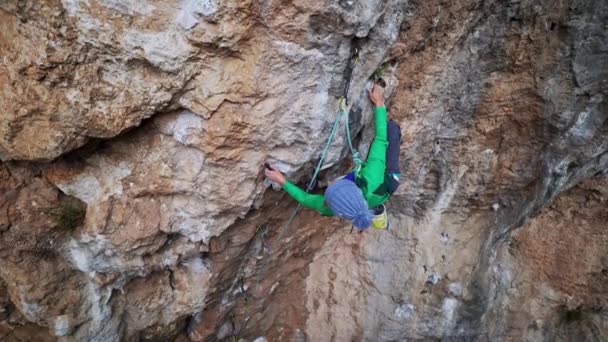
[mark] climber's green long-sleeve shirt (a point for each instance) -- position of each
(370, 178)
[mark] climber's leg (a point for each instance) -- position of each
(392, 155)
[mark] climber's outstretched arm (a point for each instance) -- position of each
(375, 166)
(316, 202)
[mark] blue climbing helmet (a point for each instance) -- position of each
(346, 200)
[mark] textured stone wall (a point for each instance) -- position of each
(133, 207)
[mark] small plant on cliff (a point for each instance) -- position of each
(578, 314)
(571, 315)
(583, 322)
(68, 214)
(378, 74)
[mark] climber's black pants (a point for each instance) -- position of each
(392, 156)
(391, 175)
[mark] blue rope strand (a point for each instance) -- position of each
(353, 151)
(355, 154)
(332, 133)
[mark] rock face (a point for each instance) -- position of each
(133, 207)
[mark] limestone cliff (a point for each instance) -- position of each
(132, 138)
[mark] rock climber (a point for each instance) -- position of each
(351, 196)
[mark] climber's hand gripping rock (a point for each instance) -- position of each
(376, 95)
(274, 175)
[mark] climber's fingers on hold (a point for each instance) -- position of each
(377, 89)
(270, 171)
(275, 176)
(267, 166)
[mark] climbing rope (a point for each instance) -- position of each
(352, 62)
(343, 112)
(353, 152)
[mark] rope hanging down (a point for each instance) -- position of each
(353, 151)
(352, 61)
(343, 112)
